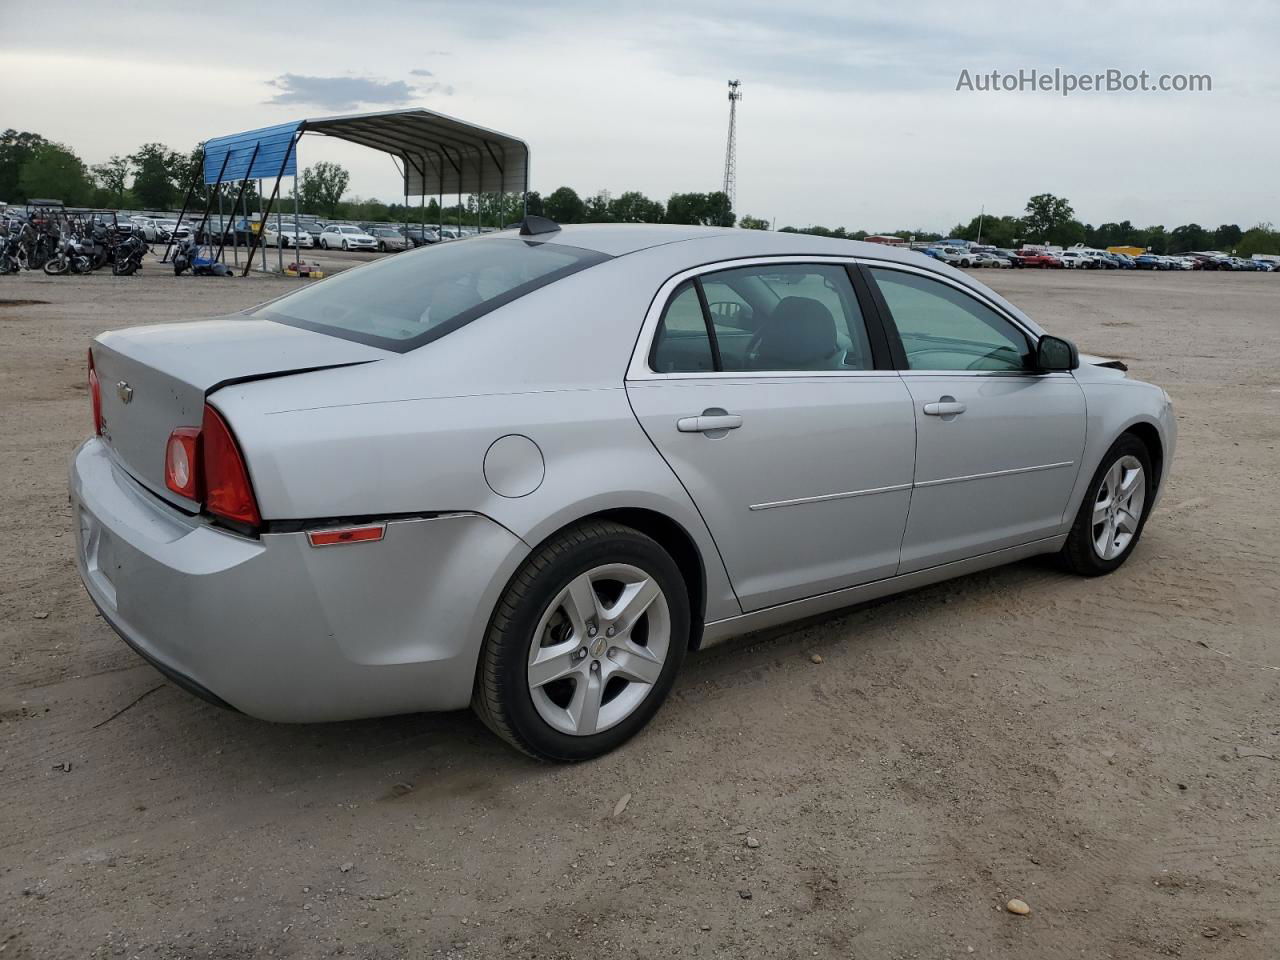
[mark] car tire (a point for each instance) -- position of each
(540, 602)
(1107, 527)
(324, 244)
(344, 246)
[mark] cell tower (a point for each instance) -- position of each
(731, 147)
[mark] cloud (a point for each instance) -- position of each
(421, 73)
(340, 93)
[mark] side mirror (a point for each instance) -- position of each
(1055, 354)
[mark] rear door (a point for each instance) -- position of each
(773, 401)
(998, 445)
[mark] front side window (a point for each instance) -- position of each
(778, 318)
(399, 303)
(944, 329)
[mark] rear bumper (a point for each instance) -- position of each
(281, 630)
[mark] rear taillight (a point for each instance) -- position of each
(205, 464)
(182, 473)
(95, 397)
(228, 493)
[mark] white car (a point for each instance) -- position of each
(956, 256)
(1076, 260)
(346, 237)
(287, 236)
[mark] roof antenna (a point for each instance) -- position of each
(531, 226)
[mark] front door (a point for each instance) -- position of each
(762, 393)
(998, 445)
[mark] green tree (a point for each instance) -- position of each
(705, 209)
(597, 208)
(1260, 239)
(155, 169)
(15, 150)
(322, 186)
(565, 206)
(996, 231)
(1046, 215)
(1154, 239)
(1227, 236)
(112, 177)
(533, 204)
(748, 222)
(52, 171)
(1189, 236)
(634, 207)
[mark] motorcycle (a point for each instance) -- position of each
(70, 256)
(15, 247)
(186, 256)
(127, 255)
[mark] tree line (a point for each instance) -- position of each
(1051, 220)
(156, 177)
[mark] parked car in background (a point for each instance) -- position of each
(1013, 259)
(421, 236)
(1075, 260)
(956, 256)
(390, 239)
(1147, 261)
(384, 493)
(346, 237)
(991, 259)
(287, 236)
(151, 228)
(1040, 259)
(1123, 260)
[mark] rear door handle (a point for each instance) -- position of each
(708, 423)
(944, 408)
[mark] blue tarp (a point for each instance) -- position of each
(272, 143)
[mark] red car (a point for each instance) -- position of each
(1042, 260)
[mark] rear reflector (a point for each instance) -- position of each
(331, 538)
(95, 397)
(182, 462)
(228, 493)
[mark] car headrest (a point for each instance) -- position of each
(800, 331)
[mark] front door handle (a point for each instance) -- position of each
(710, 421)
(946, 407)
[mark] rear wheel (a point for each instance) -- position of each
(584, 645)
(1114, 511)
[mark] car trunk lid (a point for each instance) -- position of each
(155, 379)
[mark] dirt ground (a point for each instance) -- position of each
(1106, 750)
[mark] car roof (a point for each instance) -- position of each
(692, 246)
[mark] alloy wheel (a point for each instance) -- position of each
(1117, 511)
(599, 648)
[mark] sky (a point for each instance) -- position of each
(850, 113)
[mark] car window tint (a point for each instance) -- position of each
(403, 302)
(681, 344)
(944, 329)
(797, 317)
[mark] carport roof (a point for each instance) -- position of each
(438, 153)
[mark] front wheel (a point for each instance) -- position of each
(56, 266)
(1114, 512)
(584, 645)
(324, 244)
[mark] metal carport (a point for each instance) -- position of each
(437, 155)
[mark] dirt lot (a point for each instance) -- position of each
(1109, 751)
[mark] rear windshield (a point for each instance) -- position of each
(401, 302)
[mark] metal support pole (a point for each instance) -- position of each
(181, 213)
(266, 211)
(223, 241)
(204, 219)
(297, 248)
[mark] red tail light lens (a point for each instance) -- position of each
(95, 397)
(228, 493)
(182, 473)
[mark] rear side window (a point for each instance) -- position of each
(682, 344)
(778, 318)
(405, 301)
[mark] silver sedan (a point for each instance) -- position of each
(529, 471)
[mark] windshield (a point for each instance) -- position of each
(399, 303)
